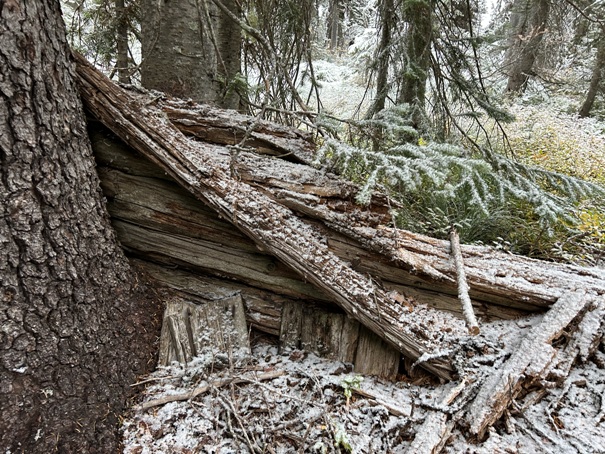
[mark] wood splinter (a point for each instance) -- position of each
(467, 306)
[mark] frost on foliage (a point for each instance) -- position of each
(452, 172)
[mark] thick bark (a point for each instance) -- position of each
(67, 321)
(191, 50)
(596, 81)
(528, 26)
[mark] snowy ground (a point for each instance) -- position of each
(296, 402)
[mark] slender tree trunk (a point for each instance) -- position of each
(67, 322)
(596, 81)
(418, 15)
(191, 50)
(382, 58)
(335, 24)
(122, 42)
(528, 26)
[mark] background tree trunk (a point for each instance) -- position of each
(528, 26)
(68, 322)
(382, 57)
(191, 50)
(122, 42)
(418, 16)
(596, 81)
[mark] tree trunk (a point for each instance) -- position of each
(382, 58)
(418, 17)
(596, 81)
(528, 26)
(191, 50)
(335, 23)
(122, 42)
(67, 321)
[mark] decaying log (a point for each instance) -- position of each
(230, 128)
(273, 227)
(493, 277)
(190, 330)
(145, 198)
(532, 362)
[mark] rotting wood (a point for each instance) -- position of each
(467, 306)
(499, 283)
(337, 336)
(190, 330)
(143, 196)
(435, 430)
(231, 128)
(531, 362)
(375, 357)
(273, 227)
(263, 309)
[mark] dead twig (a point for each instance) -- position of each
(205, 388)
(467, 306)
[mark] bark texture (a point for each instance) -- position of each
(67, 322)
(419, 18)
(191, 49)
(528, 26)
(598, 75)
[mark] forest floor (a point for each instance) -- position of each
(293, 401)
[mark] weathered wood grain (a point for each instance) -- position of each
(273, 227)
(215, 327)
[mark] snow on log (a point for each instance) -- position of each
(493, 277)
(532, 361)
(273, 227)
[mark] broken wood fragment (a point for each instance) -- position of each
(467, 306)
(217, 327)
(529, 364)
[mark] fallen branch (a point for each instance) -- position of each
(530, 363)
(205, 388)
(467, 306)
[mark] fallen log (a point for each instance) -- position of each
(417, 263)
(147, 205)
(231, 128)
(273, 227)
(493, 277)
(536, 358)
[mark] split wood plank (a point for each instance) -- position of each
(190, 330)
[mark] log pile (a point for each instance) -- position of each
(214, 204)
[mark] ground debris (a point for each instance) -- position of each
(294, 401)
